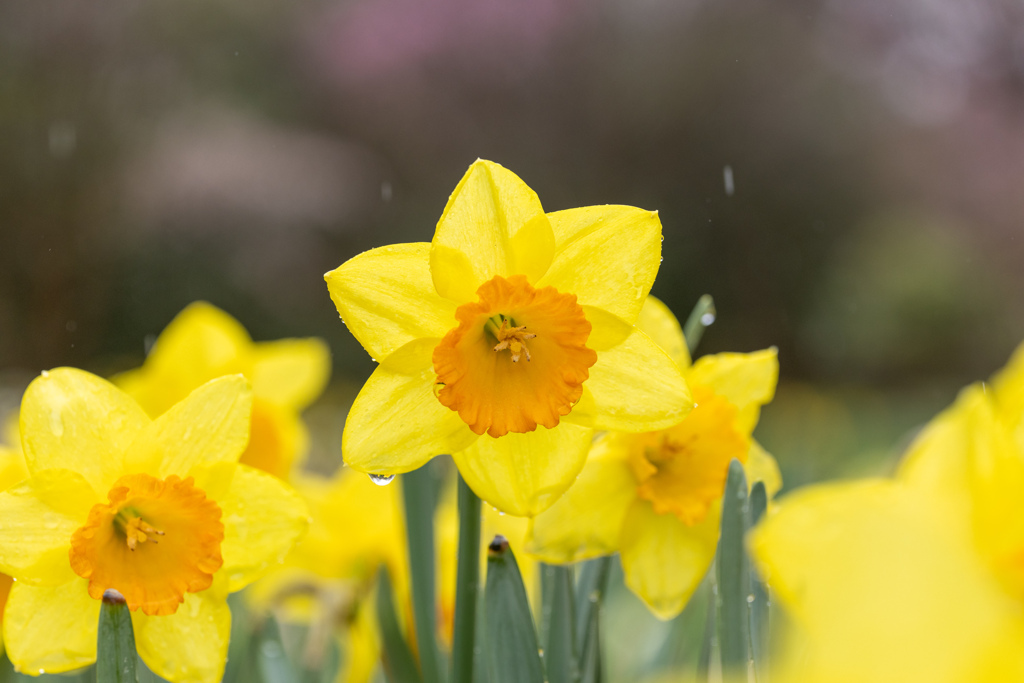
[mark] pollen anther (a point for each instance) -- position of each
(513, 338)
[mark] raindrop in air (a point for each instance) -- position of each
(382, 479)
(730, 185)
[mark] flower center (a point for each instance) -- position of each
(494, 392)
(682, 470)
(155, 540)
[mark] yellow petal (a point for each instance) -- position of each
(396, 422)
(969, 454)
(201, 343)
(524, 474)
(73, 420)
(747, 380)
(51, 628)
(606, 255)
(587, 521)
(39, 516)
(942, 457)
(263, 518)
(210, 425)
(658, 323)
(633, 387)
(278, 438)
(191, 645)
(1008, 385)
(362, 646)
(761, 466)
(290, 372)
(882, 580)
(663, 559)
(493, 225)
(12, 467)
(386, 298)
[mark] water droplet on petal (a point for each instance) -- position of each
(382, 479)
(45, 373)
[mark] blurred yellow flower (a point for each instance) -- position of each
(203, 343)
(12, 471)
(506, 341)
(917, 578)
(158, 510)
(655, 497)
(328, 579)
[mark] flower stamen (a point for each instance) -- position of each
(135, 529)
(512, 338)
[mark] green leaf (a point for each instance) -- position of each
(467, 585)
(759, 607)
(734, 574)
(558, 624)
(115, 643)
(271, 658)
(701, 317)
(399, 663)
(709, 643)
(419, 493)
(510, 640)
(590, 590)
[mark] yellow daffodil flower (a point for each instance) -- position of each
(203, 343)
(158, 510)
(506, 341)
(328, 579)
(655, 497)
(12, 471)
(917, 578)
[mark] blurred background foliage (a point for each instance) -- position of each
(843, 177)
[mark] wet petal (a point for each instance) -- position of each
(587, 521)
(263, 518)
(606, 255)
(633, 387)
(493, 225)
(663, 559)
(387, 299)
(747, 380)
(524, 474)
(39, 516)
(51, 628)
(210, 425)
(191, 645)
(73, 420)
(658, 323)
(396, 422)
(291, 372)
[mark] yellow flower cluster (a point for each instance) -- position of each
(919, 577)
(522, 343)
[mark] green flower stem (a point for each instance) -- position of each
(418, 492)
(467, 586)
(558, 624)
(510, 642)
(702, 315)
(115, 644)
(759, 608)
(734, 574)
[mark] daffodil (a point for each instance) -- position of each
(916, 578)
(12, 471)
(327, 580)
(655, 497)
(506, 341)
(203, 343)
(159, 510)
